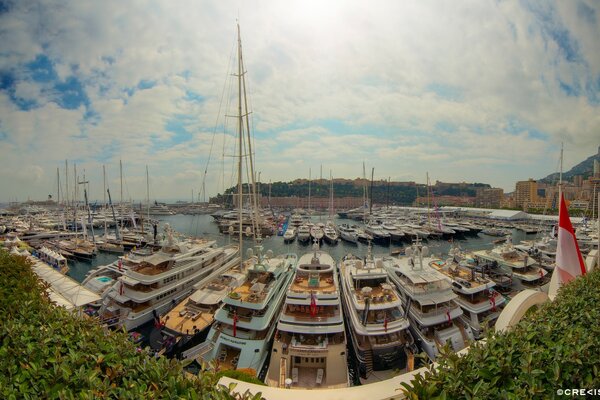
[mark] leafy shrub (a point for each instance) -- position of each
(555, 347)
(47, 352)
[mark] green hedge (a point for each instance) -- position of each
(47, 352)
(556, 347)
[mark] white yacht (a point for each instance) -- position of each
(433, 311)
(524, 270)
(377, 323)
(348, 233)
(330, 233)
(160, 209)
(310, 342)
(152, 284)
(189, 321)
(245, 323)
(481, 304)
(290, 234)
(317, 232)
(303, 233)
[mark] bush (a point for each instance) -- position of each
(47, 352)
(555, 347)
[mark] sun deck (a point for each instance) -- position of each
(318, 282)
(455, 272)
(188, 318)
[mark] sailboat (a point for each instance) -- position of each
(245, 323)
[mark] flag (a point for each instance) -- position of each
(385, 322)
(235, 320)
(569, 263)
(121, 289)
(493, 301)
(313, 304)
(448, 315)
(120, 265)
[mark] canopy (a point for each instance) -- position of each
(67, 288)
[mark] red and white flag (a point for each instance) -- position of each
(569, 263)
(235, 320)
(313, 304)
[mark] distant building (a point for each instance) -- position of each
(526, 193)
(489, 198)
(578, 180)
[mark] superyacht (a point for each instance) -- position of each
(309, 350)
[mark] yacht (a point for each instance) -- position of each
(309, 350)
(303, 233)
(160, 209)
(377, 324)
(378, 234)
(290, 234)
(480, 303)
(348, 233)
(317, 232)
(296, 220)
(330, 233)
(524, 270)
(188, 321)
(151, 284)
(245, 323)
(432, 309)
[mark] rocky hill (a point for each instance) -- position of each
(585, 168)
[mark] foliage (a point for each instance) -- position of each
(48, 352)
(556, 347)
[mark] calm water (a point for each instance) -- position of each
(203, 226)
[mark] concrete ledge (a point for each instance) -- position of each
(517, 307)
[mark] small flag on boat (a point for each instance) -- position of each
(120, 265)
(235, 320)
(493, 301)
(313, 304)
(448, 315)
(569, 263)
(121, 289)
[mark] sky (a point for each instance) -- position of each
(475, 91)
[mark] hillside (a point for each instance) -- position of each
(584, 168)
(401, 193)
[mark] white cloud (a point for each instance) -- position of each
(407, 87)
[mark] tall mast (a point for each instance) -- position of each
(67, 181)
(254, 196)
(57, 187)
(371, 202)
(104, 183)
(240, 136)
(121, 177)
(309, 182)
(427, 183)
(147, 194)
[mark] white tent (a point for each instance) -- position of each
(64, 291)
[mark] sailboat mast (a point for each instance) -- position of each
(57, 187)
(371, 202)
(254, 196)
(147, 194)
(104, 184)
(240, 133)
(309, 182)
(427, 183)
(67, 181)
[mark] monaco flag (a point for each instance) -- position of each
(569, 263)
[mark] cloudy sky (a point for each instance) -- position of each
(476, 91)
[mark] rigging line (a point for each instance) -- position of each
(218, 113)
